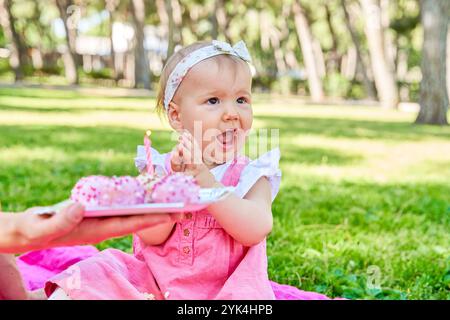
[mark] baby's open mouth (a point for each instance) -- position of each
(227, 138)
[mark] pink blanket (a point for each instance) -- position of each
(39, 266)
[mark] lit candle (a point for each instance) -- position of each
(148, 152)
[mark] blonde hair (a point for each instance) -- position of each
(172, 63)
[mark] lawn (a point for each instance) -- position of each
(364, 206)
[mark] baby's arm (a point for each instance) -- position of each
(156, 235)
(247, 220)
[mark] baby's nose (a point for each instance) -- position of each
(230, 113)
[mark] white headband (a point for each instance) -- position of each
(216, 48)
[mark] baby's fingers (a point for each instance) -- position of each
(188, 140)
(186, 134)
(176, 159)
(187, 154)
(194, 153)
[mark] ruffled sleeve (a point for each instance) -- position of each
(266, 165)
(158, 159)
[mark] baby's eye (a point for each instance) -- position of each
(242, 100)
(213, 100)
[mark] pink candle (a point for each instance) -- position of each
(148, 151)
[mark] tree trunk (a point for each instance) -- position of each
(37, 56)
(161, 9)
(390, 49)
(141, 66)
(350, 63)
(433, 91)
(178, 20)
(111, 6)
(273, 38)
(305, 39)
(170, 28)
(18, 58)
(71, 60)
(170, 15)
(383, 74)
(215, 20)
(368, 85)
(319, 58)
(448, 62)
(220, 21)
(335, 58)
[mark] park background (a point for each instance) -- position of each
(358, 90)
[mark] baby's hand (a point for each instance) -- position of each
(186, 157)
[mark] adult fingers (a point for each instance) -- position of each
(55, 226)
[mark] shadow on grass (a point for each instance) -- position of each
(76, 110)
(63, 92)
(39, 93)
(76, 139)
(357, 129)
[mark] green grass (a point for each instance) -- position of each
(364, 206)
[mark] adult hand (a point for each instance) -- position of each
(26, 231)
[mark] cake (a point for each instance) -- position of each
(176, 187)
(148, 181)
(106, 192)
(102, 191)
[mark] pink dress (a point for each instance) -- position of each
(199, 260)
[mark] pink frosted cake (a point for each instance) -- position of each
(176, 187)
(106, 192)
(101, 191)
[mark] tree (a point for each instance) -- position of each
(18, 58)
(385, 81)
(433, 91)
(141, 65)
(68, 13)
(368, 85)
(170, 27)
(111, 6)
(335, 58)
(305, 39)
(170, 16)
(220, 21)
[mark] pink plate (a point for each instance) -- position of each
(149, 208)
(207, 196)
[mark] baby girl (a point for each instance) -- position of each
(217, 253)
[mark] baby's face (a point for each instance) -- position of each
(215, 100)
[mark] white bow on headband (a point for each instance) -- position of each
(239, 49)
(216, 48)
